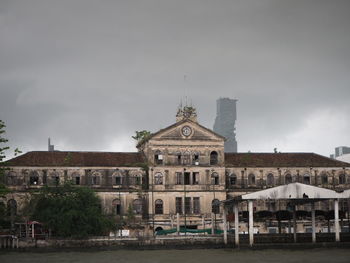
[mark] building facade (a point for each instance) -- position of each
(179, 174)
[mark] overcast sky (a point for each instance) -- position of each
(89, 74)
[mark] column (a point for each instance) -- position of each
(251, 223)
(235, 208)
(336, 220)
(178, 223)
(294, 224)
(313, 223)
(225, 224)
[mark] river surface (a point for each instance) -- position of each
(332, 255)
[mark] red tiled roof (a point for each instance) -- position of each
(280, 160)
(58, 158)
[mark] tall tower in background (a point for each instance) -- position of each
(225, 122)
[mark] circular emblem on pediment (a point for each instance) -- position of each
(186, 131)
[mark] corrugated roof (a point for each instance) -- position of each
(280, 160)
(63, 158)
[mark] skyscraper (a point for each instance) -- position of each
(225, 122)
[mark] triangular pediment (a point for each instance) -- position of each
(187, 130)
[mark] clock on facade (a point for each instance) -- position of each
(186, 131)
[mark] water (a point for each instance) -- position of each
(333, 255)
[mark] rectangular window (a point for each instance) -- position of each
(77, 180)
(95, 180)
(187, 178)
(178, 205)
(196, 159)
(196, 205)
(179, 178)
(187, 159)
(118, 180)
(179, 159)
(188, 205)
(195, 178)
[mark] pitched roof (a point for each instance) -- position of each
(71, 159)
(280, 160)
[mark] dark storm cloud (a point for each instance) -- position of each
(90, 73)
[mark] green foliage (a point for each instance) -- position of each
(130, 214)
(141, 136)
(71, 211)
(3, 188)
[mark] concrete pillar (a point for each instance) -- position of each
(294, 224)
(224, 216)
(212, 224)
(178, 223)
(313, 223)
(235, 208)
(251, 223)
(336, 220)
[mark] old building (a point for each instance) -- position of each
(178, 175)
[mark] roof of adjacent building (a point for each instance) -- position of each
(81, 159)
(280, 160)
(115, 159)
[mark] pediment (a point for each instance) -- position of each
(198, 132)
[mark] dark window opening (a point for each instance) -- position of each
(178, 205)
(158, 207)
(215, 178)
(342, 179)
(196, 205)
(77, 180)
(118, 180)
(158, 158)
(179, 178)
(213, 158)
(215, 206)
(270, 180)
(324, 179)
(187, 178)
(195, 178)
(196, 159)
(288, 179)
(57, 180)
(34, 180)
(306, 179)
(232, 179)
(179, 159)
(95, 180)
(188, 205)
(116, 204)
(251, 179)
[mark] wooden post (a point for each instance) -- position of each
(336, 220)
(225, 224)
(251, 223)
(313, 223)
(236, 224)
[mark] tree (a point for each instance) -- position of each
(71, 211)
(141, 136)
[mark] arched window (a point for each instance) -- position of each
(215, 206)
(213, 158)
(55, 178)
(116, 206)
(12, 207)
(137, 206)
(158, 157)
(186, 158)
(158, 178)
(306, 179)
(96, 178)
(342, 179)
(34, 178)
(251, 179)
(76, 178)
(158, 205)
(288, 179)
(214, 178)
(270, 180)
(232, 179)
(11, 178)
(324, 178)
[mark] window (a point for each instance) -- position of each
(56, 180)
(251, 179)
(179, 158)
(270, 180)
(178, 205)
(196, 205)
(324, 179)
(306, 179)
(215, 206)
(116, 206)
(213, 158)
(215, 178)
(118, 180)
(187, 178)
(158, 157)
(288, 179)
(137, 206)
(158, 207)
(179, 178)
(186, 158)
(196, 159)
(232, 179)
(34, 179)
(77, 180)
(188, 205)
(95, 180)
(342, 179)
(195, 178)
(158, 178)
